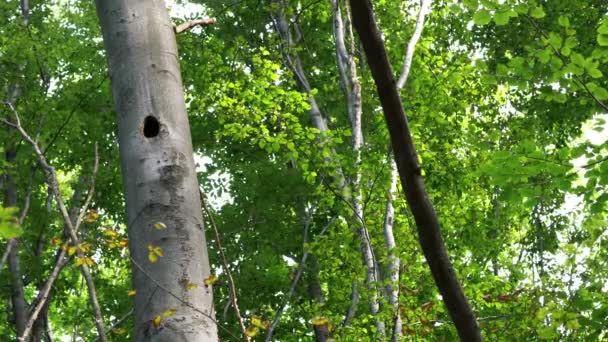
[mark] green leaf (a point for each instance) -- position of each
(563, 21)
(472, 4)
(482, 17)
(602, 39)
(595, 73)
(603, 29)
(8, 228)
(501, 18)
(537, 12)
(555, 40)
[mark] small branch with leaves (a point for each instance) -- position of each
(71, 231)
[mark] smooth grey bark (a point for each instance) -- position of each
(393, 260)
(158, 172)
(352, 91)
(349, 79)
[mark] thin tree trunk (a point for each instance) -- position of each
(19, 304)
(352, 92)
(158, 171)
(427, 222)
(393, 262)
(314, 290)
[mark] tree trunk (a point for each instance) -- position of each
(158, 172)
(17, 293)
(406, 158)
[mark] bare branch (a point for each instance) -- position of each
(87, 201)
(411, 45)
(9, 245)
(189, 25)
(233, 298)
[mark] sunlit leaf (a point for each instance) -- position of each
(252, 331)
(169, 312)
(92, 216)
(156, 321)
(210, 280)
(259, 322)
(160, 226)
(319, 320)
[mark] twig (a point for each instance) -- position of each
(9, 245)
(89, 197)
(233, 298)
(189, 25)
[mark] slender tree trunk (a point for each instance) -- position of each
(393, 262)
(314, 290)
(158, 172)
(18, 302)
(427, 222)
(352, 92)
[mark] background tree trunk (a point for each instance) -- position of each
(158, 173)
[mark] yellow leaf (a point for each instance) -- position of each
(252, 331)
(71, 250)
(156, 321)
(319, 320)
(155, 253)
(109, 232)
(259, 322)
(119, 331)
(64, 247)
(79, 261)
(210, 280)
(152, 257)
(160, 226)
(123, 243)
(92, 217)
(191, 286)
(169, 312)
(84, 247)
(89, 261)
(132, 293)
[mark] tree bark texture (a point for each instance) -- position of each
(427, 222)
(158, 172)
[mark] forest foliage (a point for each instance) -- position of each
(507, 103)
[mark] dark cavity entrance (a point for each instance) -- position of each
(151, 127)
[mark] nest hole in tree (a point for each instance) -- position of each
(151, 127)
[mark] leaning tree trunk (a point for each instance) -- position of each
(406, 158)
(165, 225)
